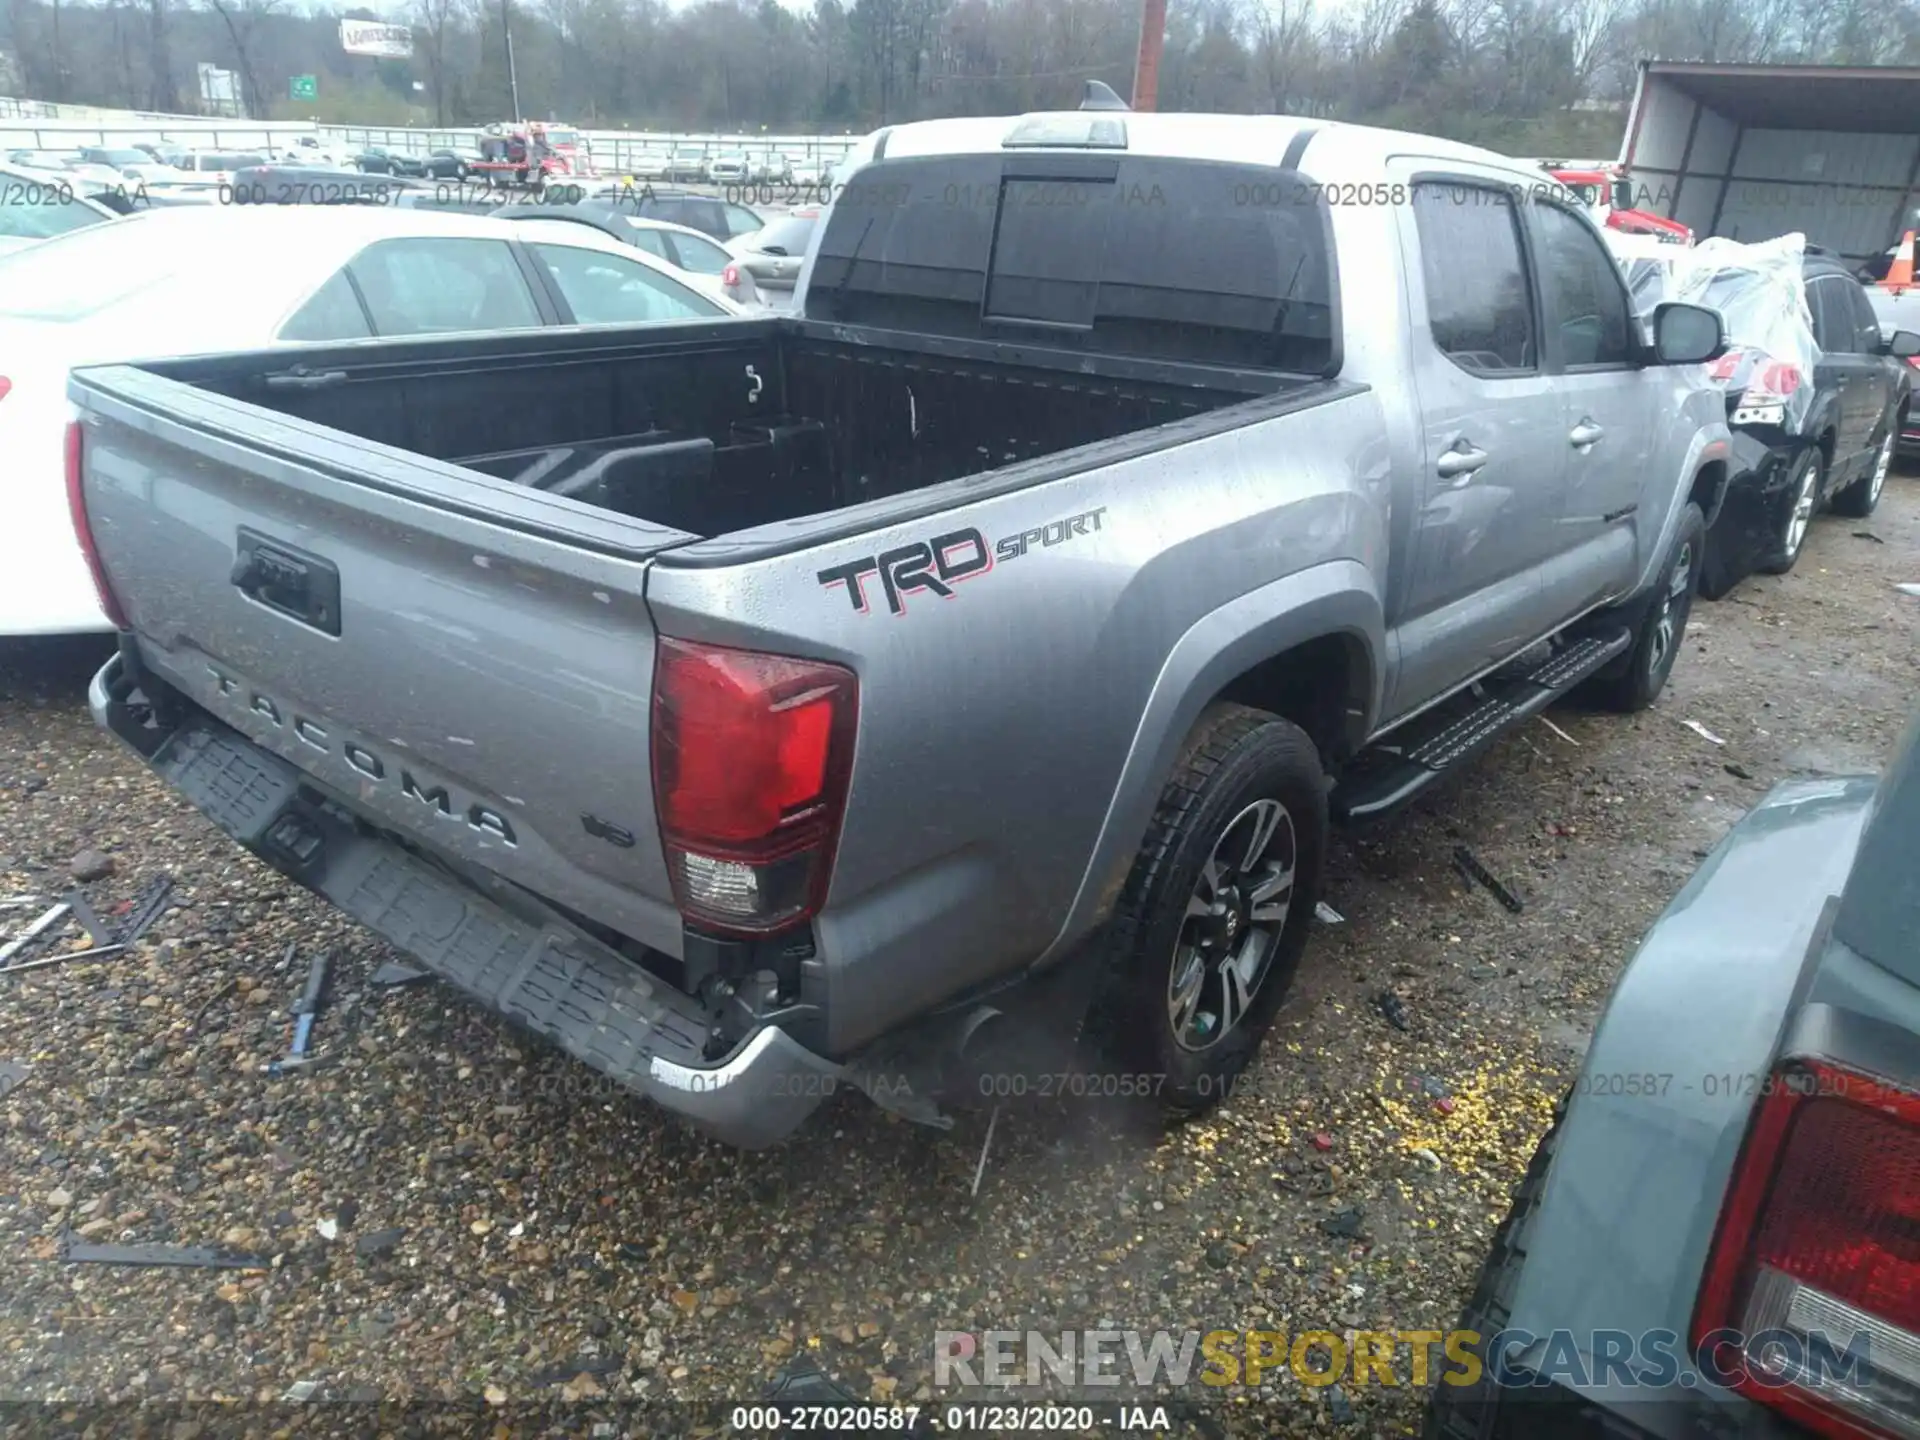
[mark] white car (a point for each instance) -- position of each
(729, 170)
(36, 205)
(88, 179)
(141, 287)
(134, 167)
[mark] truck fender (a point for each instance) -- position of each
(1712, 445)
(1340, 597)
(1654, 1121)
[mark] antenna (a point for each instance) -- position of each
(1100, 96)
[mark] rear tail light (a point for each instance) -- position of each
(1913, 360)
(751, 759)
(6, 386)
(83, 530)
(730, 277)
(1811, 1302)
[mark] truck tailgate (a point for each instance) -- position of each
(491, 644)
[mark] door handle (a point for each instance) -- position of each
(1462, 460)
(1584, 434)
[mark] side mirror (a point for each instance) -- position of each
(1903, 344)
(1686, 334)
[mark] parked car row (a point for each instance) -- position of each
(1818, 392)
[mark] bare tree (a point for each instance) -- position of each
(242, 19)
(162, 94)
(438, 19)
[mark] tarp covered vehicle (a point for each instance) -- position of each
(1813, 396)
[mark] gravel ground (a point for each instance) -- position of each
(451, 1213)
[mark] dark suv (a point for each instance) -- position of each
(1795, 452)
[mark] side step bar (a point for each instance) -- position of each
(1397, 768)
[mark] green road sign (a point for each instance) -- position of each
(303, 87)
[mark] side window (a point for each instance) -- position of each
(700, 257)
(333, 313)
(1831, 323)
(31, 211)
(1476, 279)
(425, 287)
(603, 289)
(651, 242)
(1866, 323)
(1585, 299)
(742, 221)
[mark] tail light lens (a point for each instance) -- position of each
(730, 277)
(6, 386)
(83, 530)
(1913, 360)
(751, 759)
(1772, 382)
(1818, 1249)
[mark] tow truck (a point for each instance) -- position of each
(532, 154)
(1606, 191)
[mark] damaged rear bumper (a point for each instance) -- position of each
(501, 946)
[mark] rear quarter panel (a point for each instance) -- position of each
(996, 725)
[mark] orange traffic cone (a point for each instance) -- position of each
(1900, 273)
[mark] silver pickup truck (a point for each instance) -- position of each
(762, 705)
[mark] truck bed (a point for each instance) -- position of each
(711, 429)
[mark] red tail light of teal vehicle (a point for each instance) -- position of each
(751, 758)
(1819, 1246)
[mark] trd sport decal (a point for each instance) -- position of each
(937, 565)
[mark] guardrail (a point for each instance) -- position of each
(38, 125)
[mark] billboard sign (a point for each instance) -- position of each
(370, 37)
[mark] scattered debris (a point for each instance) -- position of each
(1433, 1088)
(1322, 1140)
(301, 1391)
(1345, 1223)
(19, 902)
(1558, 731)
(569, 1370)
(392, 975)
(1739, 772)
(1908, 589)
(1471, 867)
(981, 1169)
(1427, 1158)
(328, 1230)
(1703, 732)
(1444, 1104)
(101, 933)
(102, 952)
(81, 1252)
(48, 919)
(305, 1011)
(1327, 915)
(150, 906)
(91, 865)
(1393, 1007)
(13, 1074)
(380, 1243)
(1868, 535)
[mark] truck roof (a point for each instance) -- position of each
(1334, 146)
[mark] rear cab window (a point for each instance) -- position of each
(1146, 256)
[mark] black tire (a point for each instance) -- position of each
(1466, 1412)
(1235, 762)
(1718, 574)
(1660, 626)
(1858, 500)
(1805, 484)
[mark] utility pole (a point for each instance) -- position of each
(1146, 67)
(513, 79)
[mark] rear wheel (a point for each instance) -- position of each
(1856, 502)
(1214, 917)
(1804, 484)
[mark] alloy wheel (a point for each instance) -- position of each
(1233, 924)
(1802, 516)
(1673, 610)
